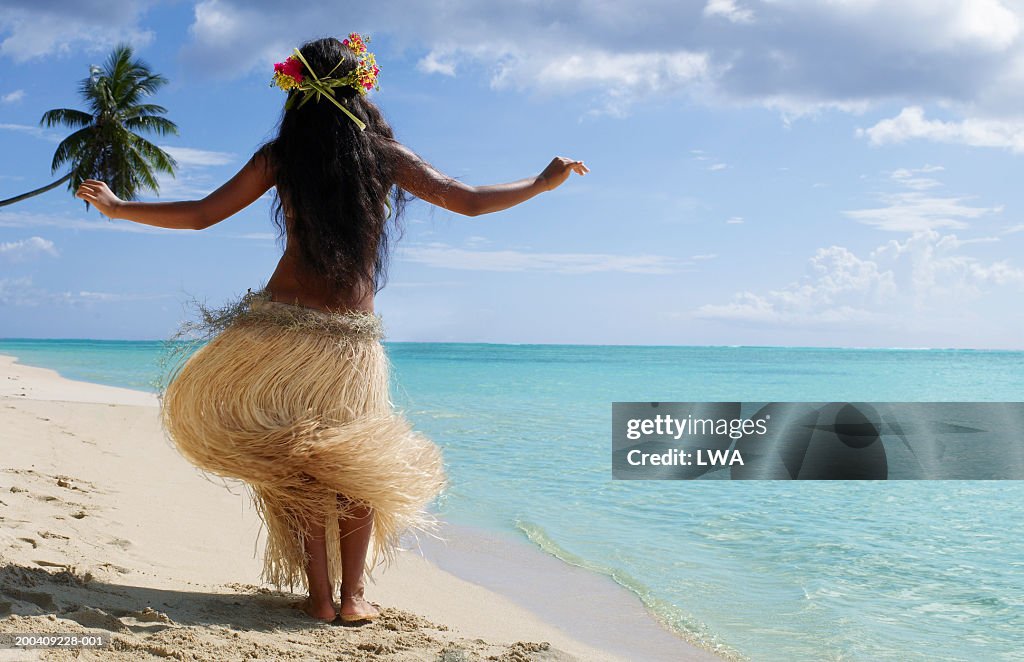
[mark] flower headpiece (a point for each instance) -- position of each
(288, 76)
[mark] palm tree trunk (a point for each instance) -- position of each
(44, 189)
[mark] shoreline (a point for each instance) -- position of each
(591, 607)
(495, 599)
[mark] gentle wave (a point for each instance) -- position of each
(669, 615)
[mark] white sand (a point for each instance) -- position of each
(105, 528)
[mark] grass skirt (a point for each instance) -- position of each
(294, 401)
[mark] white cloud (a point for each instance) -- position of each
(937, 271)
(27, 248)
(841, 288)
(644, 72)
(927, 25)
(87, 221)
(13, 97)
(789, 55)
(717, 166)
(192, 179)
(727, 9)
(34, 131)
(17, 291)
(735, 220)
(437, 62)
(20, 291)
(976, 132)
(915, 211)
(190, 156)
(443, 256)
(910, 177)
(33, 29)
(921, 275)
(985, 23)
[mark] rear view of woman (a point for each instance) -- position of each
(290, 393)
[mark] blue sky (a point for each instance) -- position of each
(762, 172)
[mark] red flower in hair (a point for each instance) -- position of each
(291, 68)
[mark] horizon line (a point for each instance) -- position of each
(553, 344)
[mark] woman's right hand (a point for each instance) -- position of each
(99, 195)
(559, 170)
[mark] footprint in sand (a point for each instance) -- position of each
(70, 483)
(30, 541)
(52, 536)
(120, 542)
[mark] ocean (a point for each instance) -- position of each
(769, 570)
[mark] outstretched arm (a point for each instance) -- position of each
(427, 183)
(249, 183)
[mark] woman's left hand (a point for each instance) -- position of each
(97, 194)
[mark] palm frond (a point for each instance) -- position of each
(71, 148)
(142, 171)
(157, 157)
(159, 125)
(85, 168)
(146, 110)
(151, 83)
(66, 116)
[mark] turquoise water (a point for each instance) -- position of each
(911, 570)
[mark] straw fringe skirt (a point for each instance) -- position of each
(294, 401)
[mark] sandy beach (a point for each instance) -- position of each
(104, 528)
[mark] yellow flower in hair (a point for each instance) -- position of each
(355, 43)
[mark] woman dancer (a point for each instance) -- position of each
(290, 393)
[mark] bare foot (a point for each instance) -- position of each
(356, 608)
(321, 612)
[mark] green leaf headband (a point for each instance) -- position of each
(288, 76)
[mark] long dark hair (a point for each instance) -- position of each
(334, 180)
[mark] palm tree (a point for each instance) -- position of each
(107, 145)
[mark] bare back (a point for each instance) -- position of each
(291, 283)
